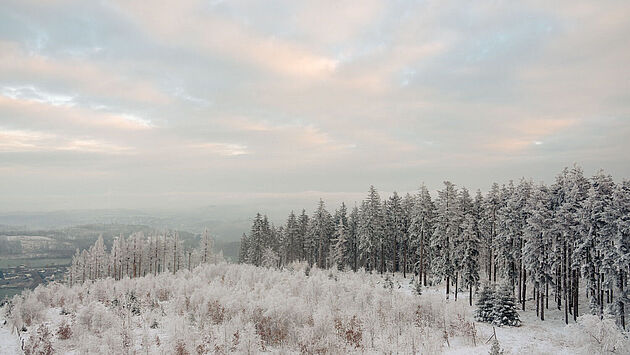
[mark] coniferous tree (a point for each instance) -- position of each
(353, 238)
(407, 207)
(470, 256)
(303, 236)
(421, 231)
(371, 235)
(394, 229)
(492, 204)
(465, 206)
(339, 246)
(538, 236)
(485, 304)
(596, 245)
(320, 232)
(446, 231)
(504, 311)
(243, 251)
(293, 240)
(620, 212)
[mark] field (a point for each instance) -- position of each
(228, 308)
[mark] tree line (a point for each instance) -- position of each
(139, 255)
(548, 241)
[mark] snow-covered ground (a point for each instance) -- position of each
(551, 336)
(244, 309)
(9, 342)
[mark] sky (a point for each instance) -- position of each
(182, 104)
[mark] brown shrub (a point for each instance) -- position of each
(40, 343)
(163, 294)
(216, 312)
(351, 332)
(180, 348)
(271, 331)
(64, 332)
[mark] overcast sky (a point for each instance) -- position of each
(172, 104)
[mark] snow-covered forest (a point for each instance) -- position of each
(449, 273)
(548, 242)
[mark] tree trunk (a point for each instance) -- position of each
(558, 286)
(405, 260)
(546, 295)
(542, 309)
(395, 266)
(564, 284)
(448, 286)
(456, 279)
(421, 265)
(576, 293)
(524, 293)
(601, 293)
(538, 302)
(620, 304)
(470, 294)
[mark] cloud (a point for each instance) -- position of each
(14, 141)
(67, 114)
(88, 78)
(226, 149)
(202, 30)
(300, 99)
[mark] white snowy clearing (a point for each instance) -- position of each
(227, 308)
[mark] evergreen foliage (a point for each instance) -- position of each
(504, 309)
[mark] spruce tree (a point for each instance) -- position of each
(470, 255)
(485, 304)
(420, 231)
(371, 230)
(504, 310)
(446, 232)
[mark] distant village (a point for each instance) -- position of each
(15, 279)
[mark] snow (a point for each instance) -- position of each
(241, 308)
(9, 341)
(534, 336)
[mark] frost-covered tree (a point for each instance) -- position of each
(489, 225)
(421, 231)
(339, 246)
(620, 213)
(303, 235)
(538, 237)
(485, 304)
(293, 238)
(353, 238)
(460, 245)
(508, 232)
(504, 311)
(206, 246)
(470, 255)
(270, 258)
(243, 254)
(257, 240)
(394, 229)
(596, 245)
(371, 234)
(404, 242)
(320, 232)
(446, 231)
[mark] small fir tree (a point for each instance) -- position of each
(504, 310)
(485, 305)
